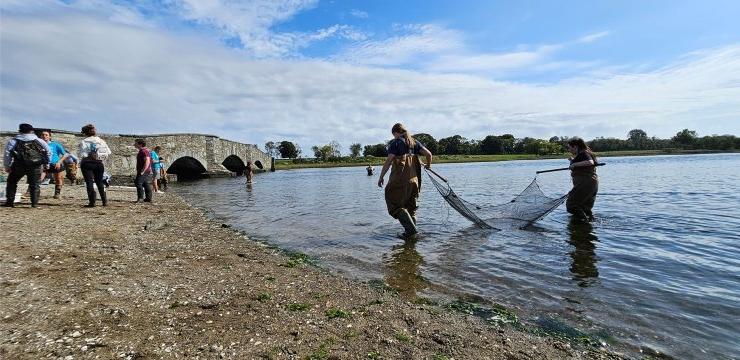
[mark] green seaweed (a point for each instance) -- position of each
(297, 306)
(402, 336)
(334, 313)
(296, 259)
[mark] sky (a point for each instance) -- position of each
(313, 71)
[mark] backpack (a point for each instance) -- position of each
(30, 153)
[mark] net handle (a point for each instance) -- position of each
(432, 171)
(567, 168)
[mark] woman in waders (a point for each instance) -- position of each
(404, 183)
(585, 181)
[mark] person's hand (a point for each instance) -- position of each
(57, 166)
(428, 166)
(380, 182)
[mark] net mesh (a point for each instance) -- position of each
(529, 206)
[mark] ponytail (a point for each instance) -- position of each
(408, 139)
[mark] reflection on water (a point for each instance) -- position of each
(402, 267)
(583, 238)
(659, 269)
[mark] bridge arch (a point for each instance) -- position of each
(187, 168)
(234, 163)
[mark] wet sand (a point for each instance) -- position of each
(131, 281)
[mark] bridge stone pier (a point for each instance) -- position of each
(185, 155)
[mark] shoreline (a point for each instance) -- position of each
(138, 280)
(283, 164)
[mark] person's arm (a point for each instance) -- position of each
(64, 156)
(386, 166)
(8, 156)
(428, 154)
(147, 163)
(587, 162)
(48, 152)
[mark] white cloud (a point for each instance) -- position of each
(359, 14)
(415, 42)
(64, 71)
(592, 37)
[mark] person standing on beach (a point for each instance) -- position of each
(56, 166)
(93, 151)
(156, 167)
(585, 181)
(248, 172)
(404, 183)
(143, 172)
(25, 155)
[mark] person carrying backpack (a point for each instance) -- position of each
(25, 155)
(93, 151)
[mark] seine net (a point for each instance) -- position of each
(529, 206)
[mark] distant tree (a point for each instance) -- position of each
(508, 143)
(492, 145)
(288, 150)
(718, 142)
(685, 138)
(429, 142)
(607, 144)
(355, 150)
(377, 150)
(326, 152)
(452, 145)
(271, 148)
(638, 139)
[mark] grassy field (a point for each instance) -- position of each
(287, 164)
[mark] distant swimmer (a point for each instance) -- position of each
(404, 183)
(585, 181)
(370, 170)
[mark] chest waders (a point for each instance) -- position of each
(402, 191)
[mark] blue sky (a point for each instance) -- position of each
(313, 71)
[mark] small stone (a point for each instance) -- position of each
(76, 334)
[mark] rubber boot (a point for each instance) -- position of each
(589, 215)
(104, 197)
(57, 191)
(91, 198)
(408, 223)
(35, 195)
(580, 216)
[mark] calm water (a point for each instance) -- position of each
(659, 269)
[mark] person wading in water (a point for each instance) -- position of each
(404, 182)
(585, 181)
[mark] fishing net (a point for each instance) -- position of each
(529, 206)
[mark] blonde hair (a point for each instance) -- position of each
(399, 128)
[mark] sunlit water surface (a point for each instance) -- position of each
(659, 269)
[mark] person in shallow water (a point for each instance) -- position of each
(585, 181)
(404, 182)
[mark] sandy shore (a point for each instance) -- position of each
(137, 281)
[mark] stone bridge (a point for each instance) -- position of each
(185, 155)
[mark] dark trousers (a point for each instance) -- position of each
(32, 174)
(144, 187)
(583, 195)
(92, 171)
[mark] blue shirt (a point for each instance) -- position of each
(57, 152)
(398, 147)
(155, 160)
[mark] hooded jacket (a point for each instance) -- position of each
(8, 156)
(92, 144)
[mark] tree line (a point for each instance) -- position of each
(637, 139)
